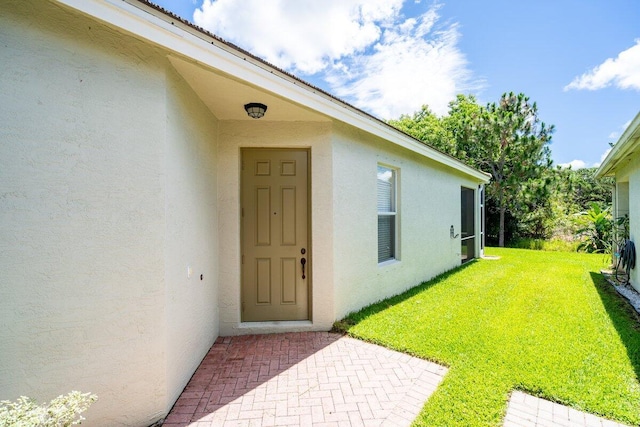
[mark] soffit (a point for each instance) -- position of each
(225, 96)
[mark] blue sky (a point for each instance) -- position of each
(579, 60)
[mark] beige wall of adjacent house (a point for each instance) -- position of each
(634, 219)
(621, 198)
(634, 222)
(428, 204)
(628, 185)
(107, 194)
(315, 136)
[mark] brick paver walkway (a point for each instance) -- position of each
(529, 411)
(323, 379)
(304, 379)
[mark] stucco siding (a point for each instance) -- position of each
(191, 234)
(428, 204)
(631, 172)
(621, 200)
(82, 199)
(634, 220)
(316, 137)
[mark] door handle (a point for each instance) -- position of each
(303, 261)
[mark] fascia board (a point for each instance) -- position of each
(628, 139)
(402, 140)
(198, 46)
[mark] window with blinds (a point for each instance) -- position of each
(387, 214)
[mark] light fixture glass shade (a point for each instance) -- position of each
(255, 109)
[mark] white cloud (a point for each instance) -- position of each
(604, 156)
(622, 71)
(414, 63)
(304, 37)
(580, 164)
(365, 50)
(574, 164)
(616, 133)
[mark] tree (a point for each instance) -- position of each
(459, 124)
(509, 141)
(573, 192)
(586, 189)
(428, 128)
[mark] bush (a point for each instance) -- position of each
(63, 411)
(596, 228)
(553, 245)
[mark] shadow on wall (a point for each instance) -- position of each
(345, 324)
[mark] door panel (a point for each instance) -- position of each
(263, 216)
(289, 220)
(263, 281)
(289, 270)
(274, 197)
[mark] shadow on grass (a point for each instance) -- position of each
(352, 319)
(625, 319)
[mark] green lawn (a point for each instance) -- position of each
(546, 323)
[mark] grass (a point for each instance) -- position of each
(546, 323)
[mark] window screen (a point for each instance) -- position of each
(386, 214)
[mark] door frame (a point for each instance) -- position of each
(470, 210)
(309, 254)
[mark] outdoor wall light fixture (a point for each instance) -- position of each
(255, 109)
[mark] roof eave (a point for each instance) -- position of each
(629, 139)
(152, 23)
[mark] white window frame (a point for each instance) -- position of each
(392, 212)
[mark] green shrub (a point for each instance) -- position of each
(554, 245)
(63, 411)
(595, 230)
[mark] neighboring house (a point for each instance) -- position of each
(623, 163)
(143, 213)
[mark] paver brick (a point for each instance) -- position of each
(310, 379)
(525, 410)
(321, 379)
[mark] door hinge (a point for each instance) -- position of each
(242, 213)
(243, 306)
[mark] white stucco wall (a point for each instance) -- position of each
(428, 204)
(634, 219)
(191, 234)
(621, 198)
(81, 215)
(261, 134)
(107, 193)
(629, 176)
